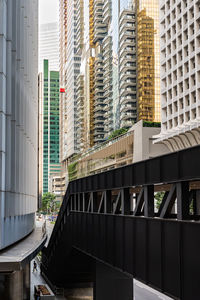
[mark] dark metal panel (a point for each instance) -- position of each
(128, 244)
(171, 258)
(79, 181)
(140, 249)
(84, 231)
(189, 163)
(84, 180)
(170, 168)
(80, 231)
(89, 233)
(153, 171)
(154, 268)
(139, 173)
(96, 230)
(101, 181)
(190, 260)
(95, 182)
(118, 177)
(119, 242)
(110, 246)
(102, 236)
(109, 179)
(128, 176)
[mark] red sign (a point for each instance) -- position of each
(62, 90)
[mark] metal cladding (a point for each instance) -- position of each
(98, 219)
(18, 118)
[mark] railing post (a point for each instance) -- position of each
(107, 202)
(183, 203)
(84, 209)
(126, 205)
(79, 200)
(149, 201)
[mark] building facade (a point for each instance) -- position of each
(109, 67)
(51, 125)
(49, 45)
(127, 63)
(18, 119)
(180, 74)
(148, 59)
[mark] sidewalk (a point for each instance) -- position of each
(36, 278)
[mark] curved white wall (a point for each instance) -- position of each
(18, 118)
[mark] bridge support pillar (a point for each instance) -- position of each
(111, 284)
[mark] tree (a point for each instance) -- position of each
(159, 197)
(48, 202)
(117, 132)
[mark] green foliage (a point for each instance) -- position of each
(159, 196)
(151, 124)
(72, 171)
(48, 202)
(117, 132)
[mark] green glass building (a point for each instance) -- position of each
(51, 165)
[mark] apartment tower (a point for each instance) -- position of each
(127, 63)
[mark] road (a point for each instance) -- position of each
(143, 292)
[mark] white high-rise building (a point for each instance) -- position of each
(180, 73)
(49, 45)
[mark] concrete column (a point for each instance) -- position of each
(26, 282)
(198, 202)
(111, 284)
(14, 286)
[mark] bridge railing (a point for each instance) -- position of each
(175, 173)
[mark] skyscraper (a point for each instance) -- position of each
(18, 119)
(127, 63)
(49, 45)
(180, 74)
(50, 133)
(109, 68)
(72, 67)
(148, 60)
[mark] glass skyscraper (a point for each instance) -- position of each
(148, 60)
(51, 165)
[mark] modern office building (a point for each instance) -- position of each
(49, 45)
(51, 125)
(180, 73)
(40, 138)
(148, 59)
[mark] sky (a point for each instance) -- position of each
(48, 11)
